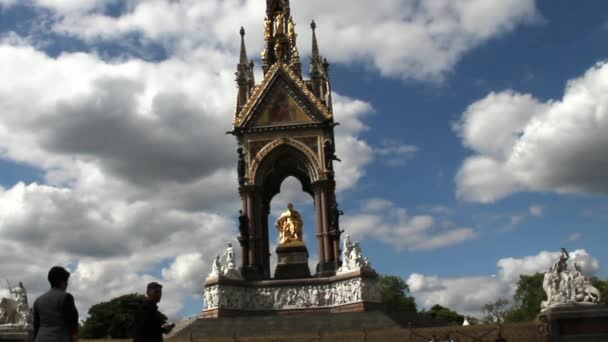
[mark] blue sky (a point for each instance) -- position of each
(472, 138)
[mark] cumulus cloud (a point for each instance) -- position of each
(524, 144)
(405, 39)
(468, 294)
(394, 153)
(383, 220)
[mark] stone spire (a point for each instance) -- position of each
(319, 72)
(244, 75)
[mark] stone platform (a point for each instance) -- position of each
(15, 333)
(353, 291)
(299, 324)
(576, 322)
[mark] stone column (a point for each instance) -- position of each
(319, 215)
(264, 240)
(244, 243)
(328, 247)
(252, 219)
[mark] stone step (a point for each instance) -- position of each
(309, 323)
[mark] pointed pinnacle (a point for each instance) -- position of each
(243, 57)
(315, 46)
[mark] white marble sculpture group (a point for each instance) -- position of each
(228, 270)
(352, 257)
(15, 311)
(565, 287)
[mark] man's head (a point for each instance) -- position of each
(154, 291)
(58, 277)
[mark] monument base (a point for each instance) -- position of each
(354, 291)
(576, 322)
(16, 333)
(292, 262)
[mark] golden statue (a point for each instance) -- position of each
(267, 27)
(291, 27)
(280, 20)
(290, 226)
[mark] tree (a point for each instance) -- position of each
(528, 296)
(113, 319)
(395, 294)
(495, 312)
(438, 312)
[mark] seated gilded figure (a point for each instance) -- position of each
(290, 226)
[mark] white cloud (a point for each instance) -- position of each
(536, 210)
(575, 237)
(383, 220)
(406, 39)
(523, 144)
(468, 294)
(394, 153)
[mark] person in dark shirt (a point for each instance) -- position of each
(55, 314)
(149, 323)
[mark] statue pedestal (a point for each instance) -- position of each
(292, 262)
(16, 333)
(582, 322)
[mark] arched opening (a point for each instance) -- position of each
(291, 191)
(283, 162)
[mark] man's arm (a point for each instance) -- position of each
(36, 322)
(70, 315)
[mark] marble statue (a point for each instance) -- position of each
(352, 257)
(230, 270)
(290, 225)
(230, 258)
(216, 268)
(565, 287)
(15, 311)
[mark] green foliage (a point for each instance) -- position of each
(438, 312)
(495, 312)
(528, 296)
(112, 319)
(396, 294)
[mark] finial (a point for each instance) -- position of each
(243, 58)
(315, 46)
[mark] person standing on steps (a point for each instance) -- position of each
(149, 322)
(55, 315)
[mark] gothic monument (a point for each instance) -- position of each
(284, 126)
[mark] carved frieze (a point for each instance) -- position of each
(344, 292)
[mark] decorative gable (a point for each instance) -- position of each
(282, 99)
(281, 107)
